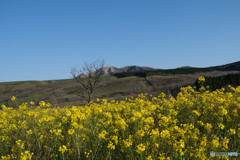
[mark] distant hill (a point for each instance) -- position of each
(109, 71)
(181, 70)
(138, 70)
(227, 67)
(183, 67)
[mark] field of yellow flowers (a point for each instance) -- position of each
(186, 127)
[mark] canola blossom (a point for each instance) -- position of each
(189, 126)
(13, 98)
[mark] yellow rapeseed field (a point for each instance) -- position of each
(189, 126)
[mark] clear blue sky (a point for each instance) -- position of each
(43, 39)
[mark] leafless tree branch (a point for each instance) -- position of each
(88, 78)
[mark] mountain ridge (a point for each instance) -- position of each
(109, 71)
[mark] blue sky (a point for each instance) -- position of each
(42, 40)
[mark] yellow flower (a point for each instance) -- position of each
(111, 145)
(115, 139)
(8, 157)
(71, 131)
(155, 133)
(208, 127)
(149, 158)
(87, 153)
(201, 123)
(42, 103)
(234, 112)
(75, 125)
(3, 106)
(224, 111)
(128, 142)
(165, 134)
(154, 125)
(30, 131)
(26, 155)
(102, 134)
(48, 104)
(13, 98)
(140, 148)
(215, 142)
(181, 143)
(201, 79)
(64, 119)
(196, 112)
(68, 113)
(140, 133)
(57, 132)
(225, 142)
(32, 103)
(62, 149)
(232, 131)
(204, 141)
(220, 125)
(20, 144)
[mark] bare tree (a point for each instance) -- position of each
(88, 78)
